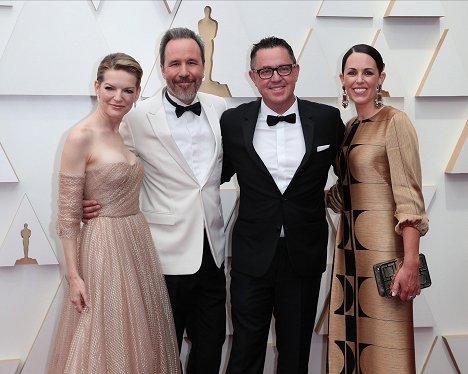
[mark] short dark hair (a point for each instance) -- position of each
(180, 33)
(270, 42)
(368, 50)
(120, 61)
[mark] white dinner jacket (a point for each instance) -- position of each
(176, 205)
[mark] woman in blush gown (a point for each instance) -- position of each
(117, 316)
(379, 197)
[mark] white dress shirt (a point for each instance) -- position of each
(281, 147)
(193, 136)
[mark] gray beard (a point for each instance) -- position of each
(185, 95)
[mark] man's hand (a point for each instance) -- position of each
(90, 210)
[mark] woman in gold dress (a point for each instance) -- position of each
(379, 198)
(116, 317)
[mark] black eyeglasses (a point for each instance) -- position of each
(267, 73)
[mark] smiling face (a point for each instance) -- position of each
(183, 69)
(360, 78)
(117, 92)
(278, 91)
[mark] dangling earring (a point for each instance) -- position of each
(97, 98)
(378, 97)
(344, 98)
(134, 104)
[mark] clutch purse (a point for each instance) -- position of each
(385, 273)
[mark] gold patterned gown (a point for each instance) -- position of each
(128, 327)
(378, 190)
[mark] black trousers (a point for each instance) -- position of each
(198, 304)
(292, 299)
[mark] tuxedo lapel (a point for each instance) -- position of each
(213, 120)
(248, 130)
(161, 130)
(308, 126)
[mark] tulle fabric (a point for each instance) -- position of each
(128, 327)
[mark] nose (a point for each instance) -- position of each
(118, 95)
(359, 78)
(183, 70)
(276, 76)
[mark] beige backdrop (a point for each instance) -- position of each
(49, 51)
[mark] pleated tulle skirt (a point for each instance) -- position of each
(128, 327)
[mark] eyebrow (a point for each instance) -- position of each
(274, 67)
(189, 59)
(125, 88)
(366, 68)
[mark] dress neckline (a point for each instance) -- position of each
(108, 164)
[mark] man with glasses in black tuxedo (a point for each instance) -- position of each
(281, 148)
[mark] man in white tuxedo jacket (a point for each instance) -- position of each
(177, 204)
(182, 154)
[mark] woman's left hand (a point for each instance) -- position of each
(406, 284)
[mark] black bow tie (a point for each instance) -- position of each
(180, 109)
(273, 120)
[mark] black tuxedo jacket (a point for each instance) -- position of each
(263, 209)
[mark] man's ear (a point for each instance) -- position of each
(252, 75)
(298, 68)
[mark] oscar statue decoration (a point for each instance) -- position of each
(26, 260)
(208, 28)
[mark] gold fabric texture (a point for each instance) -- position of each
(128, 327)
(379, 190)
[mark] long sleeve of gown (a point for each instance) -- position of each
(405, 172)
(70, 205)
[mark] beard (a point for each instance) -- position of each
(184, 94)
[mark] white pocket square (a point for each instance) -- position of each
(322, 147)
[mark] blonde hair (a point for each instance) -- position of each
(120, 61)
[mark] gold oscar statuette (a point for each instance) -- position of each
(26, 260)
(208, 28)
